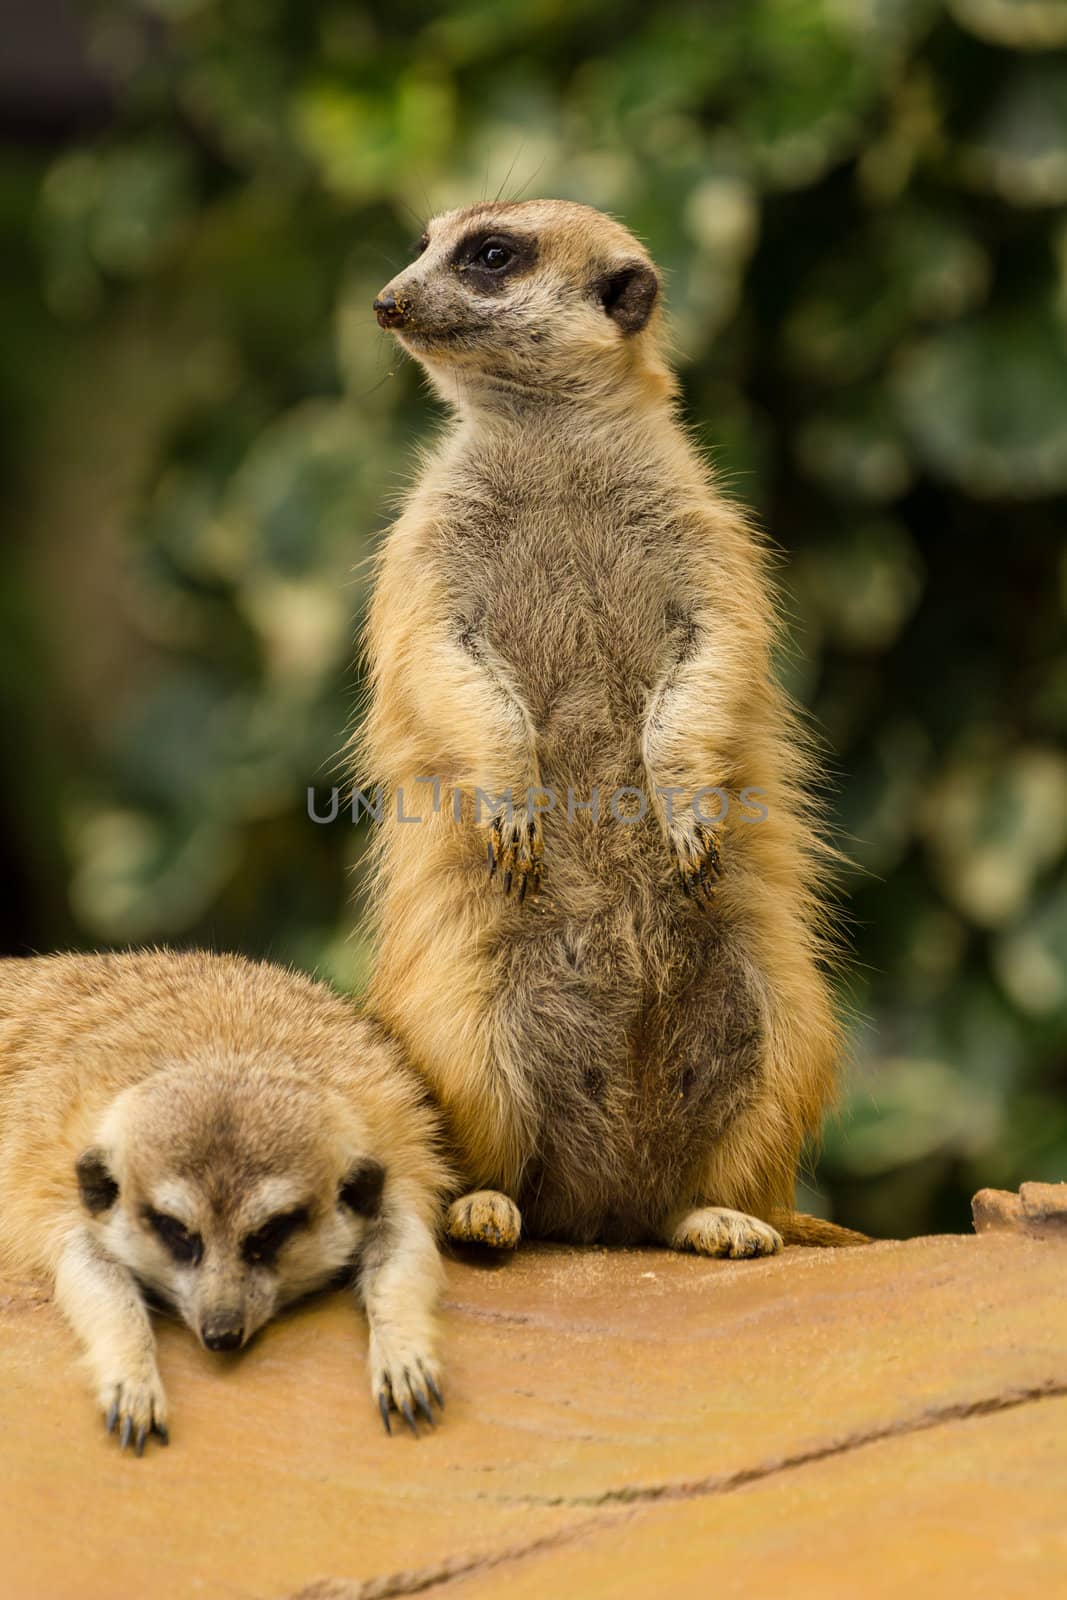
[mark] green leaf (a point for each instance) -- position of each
(864, 586)
(907, 1109)
(1031, 958)
(137, 876)
(857, 450)
(911, 267)
(983, 403)
(995, 819)
(1019, 151)
(1020, 24)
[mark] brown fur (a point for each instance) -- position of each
(568, 600)
(796, 1228)
(226, 1093)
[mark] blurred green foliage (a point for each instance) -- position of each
(860, 208)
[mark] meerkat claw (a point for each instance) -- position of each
(711, 860)
(135, 1412)
(423, 1404)
(514, 848)
(408, 1391)
(433, 1388)
(699, 863)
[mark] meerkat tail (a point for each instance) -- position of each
(797, 1228)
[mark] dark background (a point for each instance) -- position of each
(860, 208)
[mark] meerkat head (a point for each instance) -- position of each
(542, 298)
(230, 1189)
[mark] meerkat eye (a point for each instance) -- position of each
(263, 1245)
(494, 255)
(421, 244)
(184, 1246)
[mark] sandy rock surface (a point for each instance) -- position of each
(622, 1423)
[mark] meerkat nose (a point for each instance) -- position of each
(222, 1338)
(391, 312)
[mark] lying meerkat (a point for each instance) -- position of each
(227, 1136)
(624, 1013)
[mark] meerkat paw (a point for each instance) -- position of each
(516, 853)
(484, 1217)
(406, 1379)
(134, 1406)
(715, 1231)
(698, 847)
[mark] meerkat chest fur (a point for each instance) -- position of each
(568, 608)
(558, 551)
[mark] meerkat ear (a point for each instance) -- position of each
(628, 294)
(99, 1191)
(361, 1188)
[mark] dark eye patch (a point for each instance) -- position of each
(186, 1248)
(261, 1247)
(362, 1186)
(420, 245)
(490, 258)
(99, 1191)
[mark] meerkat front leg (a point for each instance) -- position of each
(491, 733)
(400, 1279)
(103, 1304)
(484, 1217)
(687, 716)
(716, 654)
(467, 722)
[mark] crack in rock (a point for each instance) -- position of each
(727, 1482)
(395, 1585)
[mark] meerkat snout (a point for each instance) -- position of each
(389, 310)
(224, 1335)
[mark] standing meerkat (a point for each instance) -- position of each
(226, 1135)
(624, 1013)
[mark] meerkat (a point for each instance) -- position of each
(626, 1017)
(227, 1136)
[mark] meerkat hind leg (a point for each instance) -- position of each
(484, 1217)
(717, 1231)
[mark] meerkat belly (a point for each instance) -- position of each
(635, 1057)
(641, 1045)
